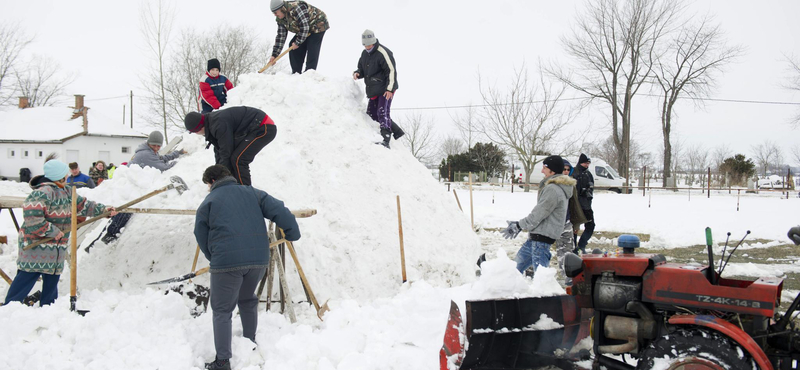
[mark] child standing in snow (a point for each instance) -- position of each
(213, 87)
(47, 212)
(230, 230)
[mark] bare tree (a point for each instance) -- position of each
(688, 67)
(468, 126)
(696, 162)
(718, 157)
(43, 81)
(796, 154)
(419, 137)
(612, 46)
(766, 153)
(678, 159)
(526, 118)
(238, 50)
(13, 40)
(156, 26)
(606, 150)
(451, 146)
(793, 83)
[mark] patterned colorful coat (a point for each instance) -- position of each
(47, 210)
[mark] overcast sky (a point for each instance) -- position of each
(439, 46)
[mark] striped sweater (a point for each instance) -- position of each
(47, 211)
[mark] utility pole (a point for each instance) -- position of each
(131, 108)
(123, 114)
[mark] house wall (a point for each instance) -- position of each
(83, 149)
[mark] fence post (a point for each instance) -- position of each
(512, 178)
(471, 213)
(709, 183)
(644, 181)
(738, 195)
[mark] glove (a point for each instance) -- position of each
(512, 230)
(794, 235)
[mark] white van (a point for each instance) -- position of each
(605, 176)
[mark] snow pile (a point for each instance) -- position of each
(323, 157)
(500, 279)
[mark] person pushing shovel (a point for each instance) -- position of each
(230, 230)
(308, 23)
(47, 212)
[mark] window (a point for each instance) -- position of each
(601, 172)
(25, 153)
(126, 149)
(39, 153)
(12, 153)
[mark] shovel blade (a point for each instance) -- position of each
(178, 184)
(502, 333)
(175, 279)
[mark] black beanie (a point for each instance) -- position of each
(193, 121)
(554, 163)
(213, 63)
(584, 159)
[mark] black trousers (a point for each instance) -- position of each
(588, 230)
(246, 151)
(311, 48)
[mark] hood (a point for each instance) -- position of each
(39, 181)
(142, 147)
(565, 182)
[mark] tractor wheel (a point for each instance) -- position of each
(695, 349)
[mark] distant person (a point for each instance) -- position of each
(546, 221)
(111, 169)
(575, 218)
(378, 69)
(99, 173)
(79, 179)
(146, 154)
(237, 134)
(48, 214)
(307, 23)
(585, 195)
(213, 87)
(230, 230)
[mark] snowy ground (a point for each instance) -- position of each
(324, 158)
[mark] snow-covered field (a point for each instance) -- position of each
(324, 158)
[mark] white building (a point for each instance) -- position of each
(28, 135)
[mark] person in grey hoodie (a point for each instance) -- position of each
(146, 155)
(546, 221)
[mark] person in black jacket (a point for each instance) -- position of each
(376, 66)
(585, 194)
(230, 230)
(237, 133)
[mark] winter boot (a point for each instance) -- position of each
(387, 135)
(219, 365)
(397, 132)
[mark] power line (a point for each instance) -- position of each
(744, 101)
(109, 98)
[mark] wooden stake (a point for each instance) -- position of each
(73, 255)
(5, 277)
(709, 183)
(194, 263)
(400, 229)
(471, 209)
(457, 201)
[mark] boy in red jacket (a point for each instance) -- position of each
(213, 87)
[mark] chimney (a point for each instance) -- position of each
(79, 102)
(81, 111)
(23, 102)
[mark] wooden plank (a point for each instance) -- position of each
(299, 213)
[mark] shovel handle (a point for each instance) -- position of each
(108, 213)
(274, 61)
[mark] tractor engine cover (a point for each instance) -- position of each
(612, 293)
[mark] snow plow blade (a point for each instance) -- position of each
(508, 333)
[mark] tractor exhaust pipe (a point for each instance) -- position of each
(628, 329)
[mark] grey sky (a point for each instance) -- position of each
(440, 46)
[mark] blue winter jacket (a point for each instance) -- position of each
(230, 228)
(81, 181)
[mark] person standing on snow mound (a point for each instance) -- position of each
(546, 221)
(585, 195)
(376, 66)
(237, 133)
(213, 87)
(307, 23)
(230, 230)
(48, 213)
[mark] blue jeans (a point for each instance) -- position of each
(533, 253)
(23, 283)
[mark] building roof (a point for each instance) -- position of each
(53, 124)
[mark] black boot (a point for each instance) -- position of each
(397, 132)
(387, 135)
(219, 365)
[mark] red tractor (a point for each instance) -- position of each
(664, 315)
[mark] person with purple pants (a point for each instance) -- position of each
(377, 67)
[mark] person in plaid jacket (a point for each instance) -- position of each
(307, 23)
(48, 214)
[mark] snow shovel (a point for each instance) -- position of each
(176, 183)
(5, 277)
(320, 310)
(274, 61)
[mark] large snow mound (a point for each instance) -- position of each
(323, 157)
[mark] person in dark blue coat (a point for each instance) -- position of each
(231, 232)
